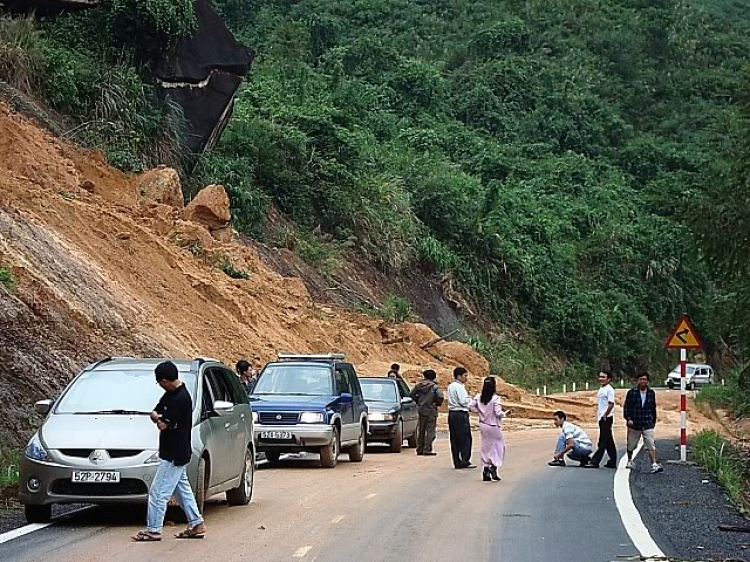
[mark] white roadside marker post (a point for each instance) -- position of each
(683, 405)
(574, 387)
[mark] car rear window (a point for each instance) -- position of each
(116, 391)
(296, 380)
(379, 391)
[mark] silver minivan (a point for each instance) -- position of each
(98, 445)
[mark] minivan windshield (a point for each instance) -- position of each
(116, 392)
(379, 391)
(297, 380)
(688, 370)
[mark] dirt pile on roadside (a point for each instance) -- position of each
(99, 271)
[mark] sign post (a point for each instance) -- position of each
(684, 336)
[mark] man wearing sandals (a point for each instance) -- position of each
(173, 417)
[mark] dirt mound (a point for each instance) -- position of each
(100, 274)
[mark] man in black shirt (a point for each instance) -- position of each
(173, 416)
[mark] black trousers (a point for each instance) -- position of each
(426, 430)
(460, 433)
(606, 442)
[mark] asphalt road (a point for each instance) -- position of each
(389, 507)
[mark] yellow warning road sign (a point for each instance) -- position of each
(684, 335)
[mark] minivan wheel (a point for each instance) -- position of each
(329, 455)
(357, 452)
(38, 513)
(242, 494)
(670, 384)
(201, 484)
(398, 438)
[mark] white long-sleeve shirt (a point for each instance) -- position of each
(458, 398)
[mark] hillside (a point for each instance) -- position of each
(97, 271)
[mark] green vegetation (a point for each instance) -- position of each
(395, 309)
(732, 396)
(7, 278)
(8, 467)
(88, 66)
(551, 163)
(556, 158)
(725, 463)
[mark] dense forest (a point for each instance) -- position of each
(580, 166)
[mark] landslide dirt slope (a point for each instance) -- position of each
(101, 273)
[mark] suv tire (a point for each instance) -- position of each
(38, 513)
(329, 454)
(273, 456)
(242, 494)
(357, 452)
(398, 438)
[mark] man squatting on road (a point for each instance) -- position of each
(173, 416)
(573, 441)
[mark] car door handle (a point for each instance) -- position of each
(226, 425)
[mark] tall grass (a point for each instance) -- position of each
(8, 467)
(21, 58)
(725, 463)
(7, 278)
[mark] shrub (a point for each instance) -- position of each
(726, 463)
(21, 57)
(7, 278)
(395, 309)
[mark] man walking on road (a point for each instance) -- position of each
(605, 417)
(458, 420)
(173, 416)
(573, 441)
(428, 397)
(640, 415)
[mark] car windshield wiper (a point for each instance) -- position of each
(116, 412)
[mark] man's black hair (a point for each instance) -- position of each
(395, 367)
(166, 371)
(458, 371)
(644, 374)
(242, 366)
(605, 372)
(560, 414)
(429, 374)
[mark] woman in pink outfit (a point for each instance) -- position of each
(491, 415)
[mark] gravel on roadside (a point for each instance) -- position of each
(683, 507)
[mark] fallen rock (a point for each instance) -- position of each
(88, 185)
(222, 234)
(210, 208)
(188, 234)
(123, 235)
(162, 185)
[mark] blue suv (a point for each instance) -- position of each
(310, 403)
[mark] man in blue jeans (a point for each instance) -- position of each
(573, 441)
(173, 416)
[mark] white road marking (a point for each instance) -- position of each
(631, 519)
(302, 552)
(370, 496)
(15, 533)
(338, 519)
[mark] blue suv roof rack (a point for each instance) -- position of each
(313, 357)
(95, 364)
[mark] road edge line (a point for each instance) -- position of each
(631, 518)
(25, 530)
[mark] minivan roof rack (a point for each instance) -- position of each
(318, 357)
(95, 364)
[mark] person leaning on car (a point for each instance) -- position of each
(428, 397)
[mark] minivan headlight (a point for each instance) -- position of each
(382, 416)
(311, 417)
(35, 451)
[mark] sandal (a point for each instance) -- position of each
(146, 536)
(190, 534)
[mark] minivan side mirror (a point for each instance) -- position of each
(407, 400)
(221, 407)
(43, 406)
(346, 398)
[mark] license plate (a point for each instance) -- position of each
(96, 476)
(275, 434)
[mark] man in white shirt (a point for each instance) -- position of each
(573, 441)
(458, 420)
(606, 403)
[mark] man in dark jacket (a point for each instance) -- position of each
(428, 397)
(640, 415)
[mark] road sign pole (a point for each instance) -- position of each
(683, 405)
